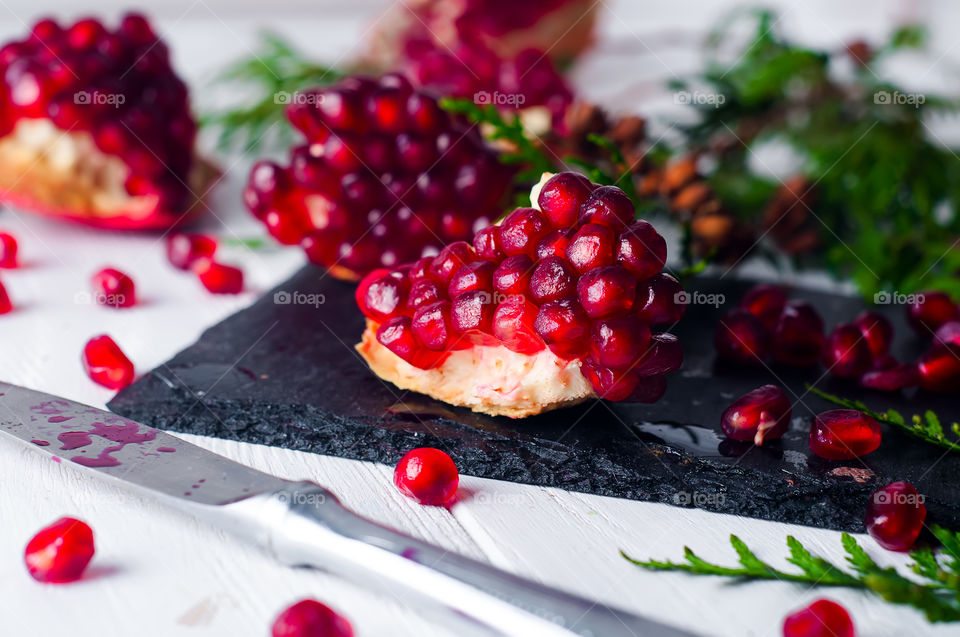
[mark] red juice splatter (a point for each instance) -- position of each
(41, 443)
(166, 449)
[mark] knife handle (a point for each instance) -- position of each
(305, 525)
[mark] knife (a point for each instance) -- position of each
(303, 524)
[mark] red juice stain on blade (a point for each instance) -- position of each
(56, 419)
(41, 443)
(166, 449)
(124, 433)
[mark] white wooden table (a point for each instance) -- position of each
(160, 573)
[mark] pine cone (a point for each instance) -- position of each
(788, 218)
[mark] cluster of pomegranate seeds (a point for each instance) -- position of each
(60, 552)
(594, 300)
(118, 86)
(113, 288)
(8, 251)
(844, 434)
(822, 618)
(310, 618)
(759, 415)
(106, 364)
(427, 475)
(895, 516)
(384, 177)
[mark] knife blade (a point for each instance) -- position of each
(303, 524)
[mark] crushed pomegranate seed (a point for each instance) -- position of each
(8, 251)
(106, 364)
(310, 618)
(929, 311)
(895, 516)
(427, 475)
(113, 288)
(183, 250)
(60, 552)
(844, 434)
(822, 618)
(759, 415)
(846, 353)
(218, 277)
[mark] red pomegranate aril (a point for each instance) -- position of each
(759, 415)
(610, 384)
(592, 246)
(939, 368)
(453, 257)
(554, 244)
(877, 331)
(948, 334)
(477, 275)
(641, 250)
(8, 251)
(564, 327)
(649, 389)
(106, 364)
(59, 553)
(895, 516)
(618, 342)
(929, 311)
(847, 353)
(552, 279)
(422, 292)
(512, 276)
(420, 269)
(382, 296)
(900, 376)
(396, 334)
(606, 291)
(822, 618)
(427, 475)
(521, 231)
(113, 288)
(310, 618)
(562, 196)
(431, 325)
(659, 301)
(664, 355)
(471, 314)
(844, 434)
(798, 339)
(5, 304)
(741, 338)
(766, 302)
(486, 243)
(219, 278)
(183, 250)
(513, 325)
(608, 206)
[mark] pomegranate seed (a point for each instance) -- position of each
(471, 314)
(113, 288)
(741, 338)
(664, 355)
(939, 368)
(642, 250)
(562, 196)
(451, 258)
(659, 301)
(847, 353)
(512, 276)
(106, 364)
(5, 304)
(618, 342)
(610, 384)
(648, 390)
(900, 376)
(183, 250)
(421, 269)
(592, 246)
(608, 206)
(421, 293)
(486, 243)
(765, 302)
(513, 325)
(947, 334)
(396, 334)
(895, 516)
(521, 230)
(432, 327)
(798, 339)
(844, 434)
(877, 331)
(60, 552)
(762, 414)
(606, 291)
(477, 275)
(929, 311)
(552, 279)
(310, 618)
(8, 251)
(554, 244)
(381, 296)
(822, 618)
(564, 327)
(427, 475)
(218, 277)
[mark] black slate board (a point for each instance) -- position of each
(285, 374)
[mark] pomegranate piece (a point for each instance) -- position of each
(562, 196)
(113, 288)
(8, 251)
(552, 279)
(219, 278)
(310, 618)
(741, 338)
(929, 311)
(877, 330)
(381, 295)
(5, 304)
(59, 553)
(847, 352)
(642, 250)
(606, 291)
(895, 516)
(512, 276)
(844, 434)
(427, 475)
(659, 302)
(384, 177)
(396, 334)
(608, 206)
(899, 376)
(766, 303)
(513, 325)
(106, 364)
(762, 414)
(183, 250)
(939, 368)
(564, 327)
(592, 246)
(822, 618)
(521, 230)
(798, 339)
(109, 102)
